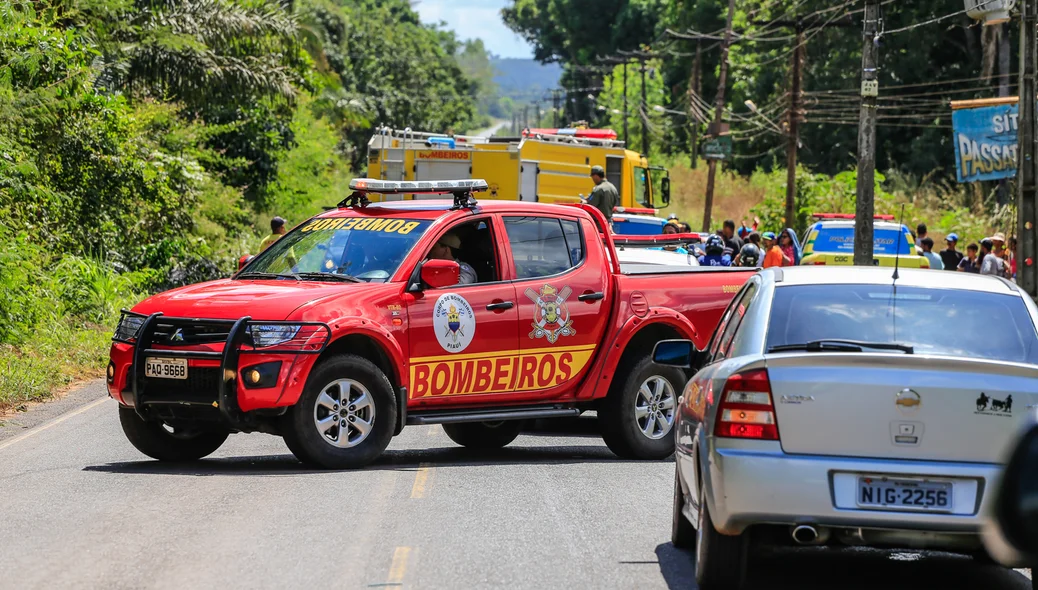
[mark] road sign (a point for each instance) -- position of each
(717, 148)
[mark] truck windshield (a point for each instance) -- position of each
(642, 184)
(367, 248)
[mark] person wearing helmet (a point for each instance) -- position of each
(604, 196)
(715, 254)
(749, 256)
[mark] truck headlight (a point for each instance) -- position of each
(265, 335)
(129, 325)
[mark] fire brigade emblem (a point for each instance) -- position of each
(551, 318)
(453, 322)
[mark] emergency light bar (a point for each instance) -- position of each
(848, 216)
(635, 211)
(432, 187)
(658, 240)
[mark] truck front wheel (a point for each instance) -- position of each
(345, 417)
(484, 435)
(637, 418)
(158, 441)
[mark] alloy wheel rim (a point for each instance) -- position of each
(654, 407)
(344, 413)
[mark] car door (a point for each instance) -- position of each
(464, 339)
(562, 292)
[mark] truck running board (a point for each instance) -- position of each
(495, 415)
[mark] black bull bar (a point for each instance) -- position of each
(238, 341)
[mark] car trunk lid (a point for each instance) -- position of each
(899, 406)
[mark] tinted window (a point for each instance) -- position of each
(947, 322)
(738, 310)
(841, 239)
(541, 248)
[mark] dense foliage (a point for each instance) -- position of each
(921, 69)
(146, 143)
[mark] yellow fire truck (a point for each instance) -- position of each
(539, 166)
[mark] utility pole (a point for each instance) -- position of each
(645, 114)
(526, 120)
(627, 137)
(865, 209)
(1027, 193)
(694, 86)
(794, 128)
(1002, 197)
(722, 80)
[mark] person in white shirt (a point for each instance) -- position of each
(935, 261)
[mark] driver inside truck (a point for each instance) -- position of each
(445, 248)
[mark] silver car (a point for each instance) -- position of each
(841, 406)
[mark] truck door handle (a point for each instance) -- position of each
(500, 306)
(591, 296)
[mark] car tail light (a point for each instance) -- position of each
(746, 409)
(818, 263)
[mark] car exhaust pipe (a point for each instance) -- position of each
(805, 534)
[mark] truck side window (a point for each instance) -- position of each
(540, 246)
(574, 241)
(641, 187)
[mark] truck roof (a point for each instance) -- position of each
(435, 208)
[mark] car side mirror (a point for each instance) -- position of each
(665, 191)
(437, 274)
(1014, 525)
(244, 260)
(674, 353)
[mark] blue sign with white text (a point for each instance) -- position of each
(985, 142)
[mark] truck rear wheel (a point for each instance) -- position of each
(161, 442)
(484, 435)
(637, 418)
(345, 417)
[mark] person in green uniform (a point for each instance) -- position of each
(604, 197)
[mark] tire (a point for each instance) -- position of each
(484, 435)
(156, 441)
(682, 533)
(720, 559)
(322, 433)
(624, 432)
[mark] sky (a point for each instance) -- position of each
(476, 19)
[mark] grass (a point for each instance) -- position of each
(734, 196)
(61, 354)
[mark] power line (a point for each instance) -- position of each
(935, 20)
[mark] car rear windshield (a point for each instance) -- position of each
(935, 321)
(841, 239)
(368, 248)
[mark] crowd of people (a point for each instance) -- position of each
(992, 256)
(746, 246)
(742, 245)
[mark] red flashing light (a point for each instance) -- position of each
(746, 409)
(635, 211)
(848, 216)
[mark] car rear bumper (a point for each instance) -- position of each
(748, 487)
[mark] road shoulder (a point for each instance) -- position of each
(18, 423)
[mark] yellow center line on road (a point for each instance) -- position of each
(53, 423)
(420, 479)
(398, 569)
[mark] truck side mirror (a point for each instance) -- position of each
(674, 353)
(665, 191)
(438, 274)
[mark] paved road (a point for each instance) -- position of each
(80, 508)
(493, 129)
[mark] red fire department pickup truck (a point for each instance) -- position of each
(373, 316)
